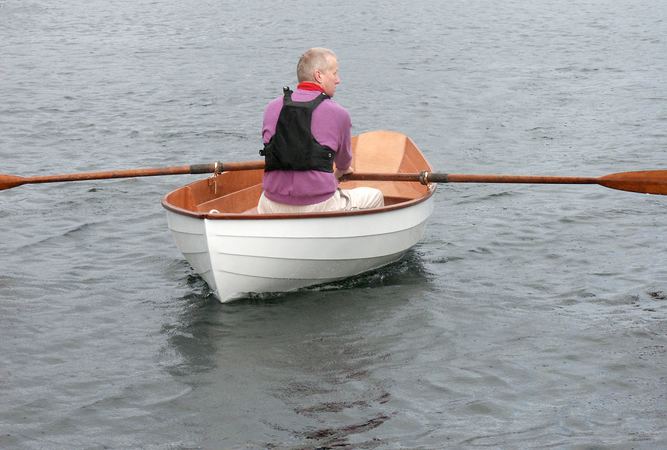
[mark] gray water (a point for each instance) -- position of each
(528, 317)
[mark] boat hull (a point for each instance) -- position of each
(240, 257)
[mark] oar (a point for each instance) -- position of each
(10, 181)
(647, 182)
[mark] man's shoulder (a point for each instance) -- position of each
(335, 108)
(276, 101)
(274, 105)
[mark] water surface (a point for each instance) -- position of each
(528, 316)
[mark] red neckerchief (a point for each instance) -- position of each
(310, 86)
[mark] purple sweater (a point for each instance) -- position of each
(331, 126)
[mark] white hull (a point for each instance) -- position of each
(238, 257)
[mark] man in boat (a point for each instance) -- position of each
(305, 133)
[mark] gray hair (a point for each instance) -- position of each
(316, 58)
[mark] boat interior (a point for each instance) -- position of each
(237, 192)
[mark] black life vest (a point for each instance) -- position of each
(293, 146)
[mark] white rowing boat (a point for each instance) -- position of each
(237, 251)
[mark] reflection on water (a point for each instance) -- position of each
(309, 350)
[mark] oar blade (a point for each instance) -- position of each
(10, 181)
(647, 182)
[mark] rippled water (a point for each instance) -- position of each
(529, 316)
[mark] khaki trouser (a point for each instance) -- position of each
(342, 200)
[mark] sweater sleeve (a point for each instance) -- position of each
(344, 154)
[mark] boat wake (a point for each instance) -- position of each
(408, 270)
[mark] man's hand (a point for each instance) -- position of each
(341, 173)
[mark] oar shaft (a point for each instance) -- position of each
(646, 182)
(524, 179)
(363, 176)
(107, 174)
(148, 172)
(430, 177)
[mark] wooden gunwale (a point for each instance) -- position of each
(326, 214)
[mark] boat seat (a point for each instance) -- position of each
(386, 150)
(235, 202)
